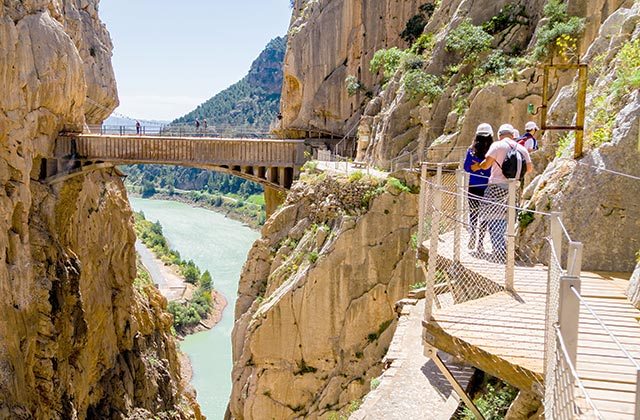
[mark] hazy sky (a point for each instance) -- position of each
(169, 56)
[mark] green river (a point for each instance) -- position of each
(220, 245)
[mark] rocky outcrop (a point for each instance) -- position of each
(315, 311)
(329, 40)
(598, 194)
(633, 292)
(77, 340)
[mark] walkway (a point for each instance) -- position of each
(503, 333)
(274, 163)
(412, 387)
(347, 168)
(170, 285)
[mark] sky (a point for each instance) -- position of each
(169, 56)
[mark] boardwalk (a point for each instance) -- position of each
(274, 163)
(563, 333)
(503, 333)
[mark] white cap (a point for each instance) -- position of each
(516, 133)
(531, 125)
(505, 129)
(485, 129)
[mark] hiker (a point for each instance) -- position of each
(138, 126)
(478, 181)
(204, 125)
(197, 125)
(507, 160)
(528, 139)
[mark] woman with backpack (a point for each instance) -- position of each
(478, 181)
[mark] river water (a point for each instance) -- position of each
(220, 245)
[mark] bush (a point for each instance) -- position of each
(206, 282)
(190, 272)
(424, 43)
(148, 189)
(417, 83)
(505, 19)
(353, 85)
(411, 61)
(468, 40)
(313, 256)
(560, 32)
(386, 61)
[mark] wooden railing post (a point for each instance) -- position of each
(459, 221)
(511, 235)
(556, 234)
(433, 245)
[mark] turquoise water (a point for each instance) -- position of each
(220, 245)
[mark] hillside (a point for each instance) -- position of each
(254, 100)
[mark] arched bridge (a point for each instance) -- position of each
(270, 162)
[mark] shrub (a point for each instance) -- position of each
(505, 19)
(353, 85)
(313, 256)
(417, 83)
(411, 61)
(148, 189)
(386, 61)
(468, 40)
(627, 69)
(415, 25)
(375, 383)
(496, 63)
(525, 218)
(397, 184)
(560, 27)
(424, 43)
(206, 283)
(356, 176)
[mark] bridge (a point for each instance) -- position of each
(525, 311)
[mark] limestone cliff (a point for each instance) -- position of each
(327, 41)
(440, 89)
(315, 311)
(77, 340)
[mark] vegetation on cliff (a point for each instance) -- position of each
(188, 313)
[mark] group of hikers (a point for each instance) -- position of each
(491, 164)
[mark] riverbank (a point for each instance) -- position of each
(252, 218)
(218, 244)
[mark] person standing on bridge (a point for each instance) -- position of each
(204, 125)
(478, 183)
(197, 125)
(494, 210)
(138, 126)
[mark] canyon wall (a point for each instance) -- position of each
(77, 339)
(315, 311)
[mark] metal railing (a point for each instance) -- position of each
(459, 270)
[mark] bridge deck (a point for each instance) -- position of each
(272, 162)
(504, 333)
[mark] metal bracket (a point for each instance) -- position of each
(432, 353)
(581, 103)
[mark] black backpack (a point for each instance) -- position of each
(513, 165)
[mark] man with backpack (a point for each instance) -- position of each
(528, 139)
(508, 160)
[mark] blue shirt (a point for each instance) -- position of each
(479, 178)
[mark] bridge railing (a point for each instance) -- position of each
(182, 130)
(148, 149)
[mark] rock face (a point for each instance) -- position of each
(315, 312)
(600, 207)
(327, 41)
(77, 340)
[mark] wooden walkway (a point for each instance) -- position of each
(274, 163)
(503, 333)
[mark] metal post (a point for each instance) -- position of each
(433, 245)
(582, 99)
(545, 98)
(556, 235)
(511, 235)
(637, 410)
(568, 317)
(457, 227)
(574, 259)
(422, 203)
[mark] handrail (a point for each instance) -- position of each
(607, 330)
(574, 372)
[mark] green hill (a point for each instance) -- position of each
(253, 101)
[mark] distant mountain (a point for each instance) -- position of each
(254, 100)
(127, 121)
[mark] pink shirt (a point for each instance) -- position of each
(498, 151)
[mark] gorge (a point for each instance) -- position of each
(316, 301)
